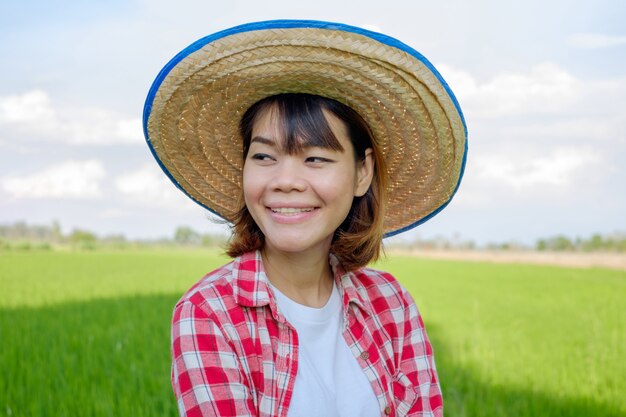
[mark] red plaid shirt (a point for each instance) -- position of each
(234, 353)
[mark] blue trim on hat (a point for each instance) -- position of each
(288, 24)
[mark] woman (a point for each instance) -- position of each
(315, 140)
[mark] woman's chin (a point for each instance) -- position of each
(296, 244)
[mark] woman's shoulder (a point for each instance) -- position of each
(226, 290)
(369, 276)
(213, 290)
(377, 285)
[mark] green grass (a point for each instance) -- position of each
(523, 340)
(87, 333)
(34, 279)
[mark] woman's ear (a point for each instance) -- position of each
(364, 173)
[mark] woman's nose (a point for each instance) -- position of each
(289, 176)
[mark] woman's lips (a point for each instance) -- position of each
(289, 215)
(291, 210)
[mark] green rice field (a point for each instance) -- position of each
(87, 333)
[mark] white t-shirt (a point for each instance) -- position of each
(329, 382)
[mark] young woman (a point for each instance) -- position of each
(315, 140)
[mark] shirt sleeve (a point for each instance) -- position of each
(206, 372)
(417, 364)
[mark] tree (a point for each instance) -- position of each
(82, 239)
(185, 235)
(57, 235)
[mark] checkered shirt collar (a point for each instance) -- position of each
(252, 287)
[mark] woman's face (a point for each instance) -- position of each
(299, 200)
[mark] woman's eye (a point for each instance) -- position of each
(317, 159)
(261, 157)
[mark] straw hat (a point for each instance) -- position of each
(193, 109)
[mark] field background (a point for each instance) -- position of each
(87, 333)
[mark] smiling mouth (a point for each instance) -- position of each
(291, 211)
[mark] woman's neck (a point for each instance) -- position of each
(304, 277)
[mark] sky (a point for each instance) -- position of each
(542, 85)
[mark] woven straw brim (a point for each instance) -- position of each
(195, 106)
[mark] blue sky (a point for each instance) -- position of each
(542, 85)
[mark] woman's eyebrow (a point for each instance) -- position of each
(263, 140)
(297, 147)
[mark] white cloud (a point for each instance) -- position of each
(71, 179)
(595, 40)
(150, 186)
(33, 114)
(539, 134)
(33, 106)
(559, 168)
(545, 88)
(608, 129)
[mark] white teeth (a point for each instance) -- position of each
(291, 210)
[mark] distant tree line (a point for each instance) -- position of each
(596, 243)
(20, 235)
(615, 242)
